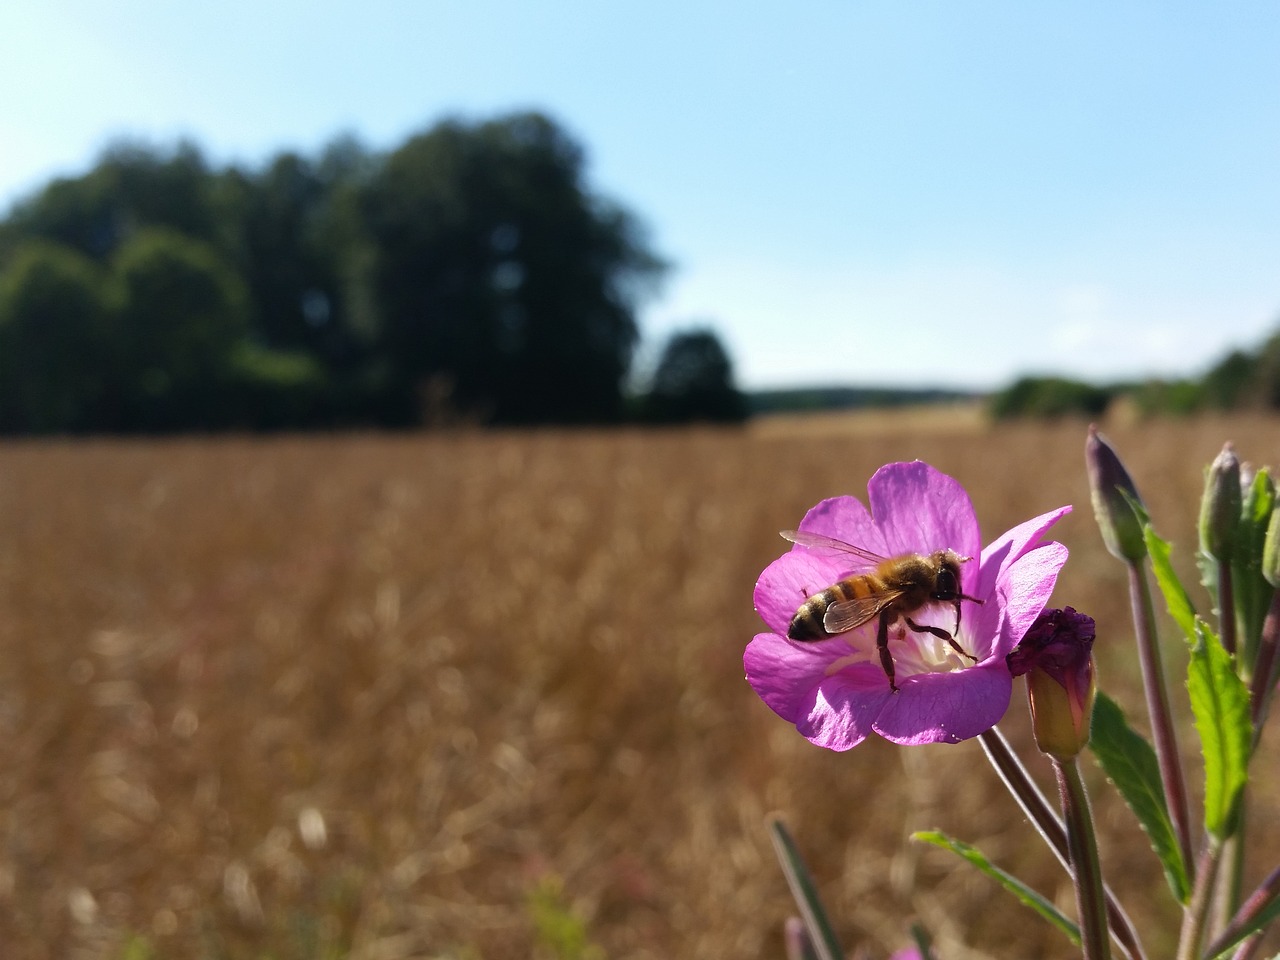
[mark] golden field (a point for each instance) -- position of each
(480, 695)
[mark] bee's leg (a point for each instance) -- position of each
(941, 635)
(882, 644)
(957, 603)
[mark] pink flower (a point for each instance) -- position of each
(836, 690)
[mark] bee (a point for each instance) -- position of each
(891, 588)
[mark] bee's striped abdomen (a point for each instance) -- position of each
(807, 624)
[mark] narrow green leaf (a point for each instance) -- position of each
(923, 942)
(1130, 763)
(1220, 703)
(1011, 883)
(805, 891)
(1175, 595)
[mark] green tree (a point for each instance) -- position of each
(500, 280)
(1049, 397)
(300, 246)
(180, 318)
(132, 186)
(1232, 381)
(694, 381)
(54, 343)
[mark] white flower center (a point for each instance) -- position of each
(913, 652)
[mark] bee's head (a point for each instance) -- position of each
(947, 584)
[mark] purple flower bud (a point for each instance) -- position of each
(1109, 483)
(1057, 657)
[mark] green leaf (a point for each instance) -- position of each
(805, 891)
(923, 942)
(1175, 595)
(1220, 703)
(1011, 883)
(1130, 763)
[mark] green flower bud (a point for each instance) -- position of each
(1271, 550)
(1220, 506)
(1109, 482)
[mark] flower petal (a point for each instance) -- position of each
(1011, 545)
(844, 518)
(946, 707)
(785, 673)
(834, 711)
(787, 582)
(1024, 590)
(920, 510)
(845, 707)
(1015, 598)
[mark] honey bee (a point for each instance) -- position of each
(891, 588)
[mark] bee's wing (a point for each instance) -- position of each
(848, 614)
(831, 545)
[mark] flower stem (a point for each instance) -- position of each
(1196, 915)
(1166, 743)
(1262, 898)
(1226, 895)
(1082, 848)
(1227, 607)
(1263, 682)
(1041, 814)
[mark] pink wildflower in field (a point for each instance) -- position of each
(835, 690)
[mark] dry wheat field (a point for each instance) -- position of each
(480, 695)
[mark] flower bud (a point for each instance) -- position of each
(1057, 657)
(1108, 483)
(1220, 506)
(1271, 550)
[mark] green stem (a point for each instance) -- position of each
(1194, 919)
(1041, 814)
(1082, 848)
(1263, 682)
(1226, 897)
(1166, 743)
(1261, 899)
(1227, 607)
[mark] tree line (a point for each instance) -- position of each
(1240, 380)
(470, 274)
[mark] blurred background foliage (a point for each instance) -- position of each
(1242, 380)
(470, 275)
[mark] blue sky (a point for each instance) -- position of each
(887, 193)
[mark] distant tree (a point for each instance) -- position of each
(269, 389)
(1049, 397)
(1232, 381)
(1266, 375)
(499, 279)
(694, 381)
(54, 344)
(1176, 397)
(133, 186)
(180, 317)
(470, 273)
(300, 249)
